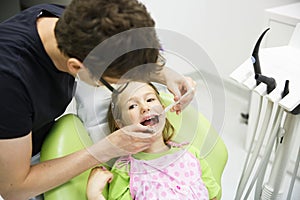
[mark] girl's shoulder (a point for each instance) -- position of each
(187, 146)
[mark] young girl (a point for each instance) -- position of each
(165, 170)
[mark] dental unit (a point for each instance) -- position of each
(274, 120)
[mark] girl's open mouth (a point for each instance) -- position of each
(150, 121)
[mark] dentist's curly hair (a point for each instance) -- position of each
(86, 23)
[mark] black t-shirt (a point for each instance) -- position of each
(33, 92)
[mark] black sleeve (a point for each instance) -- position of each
(15, 108)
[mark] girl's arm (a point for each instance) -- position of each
(119, 188)
(210, 182)
(97, 180)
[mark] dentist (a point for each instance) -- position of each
(42, 51)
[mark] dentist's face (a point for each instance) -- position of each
(139, 103)
(85, 76)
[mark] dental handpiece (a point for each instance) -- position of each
(255, 56)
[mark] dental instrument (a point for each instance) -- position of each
(294, 176)
(255, 102)
(257, 110)
(260, 130)
(269, 81)
(255, 57)
(274, 131)
(177, 102)
(273, 189)
(265, 158)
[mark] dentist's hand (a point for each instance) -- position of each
(127, 140)
(179, 86)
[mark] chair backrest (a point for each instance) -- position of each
(195, 127)
(69, 135)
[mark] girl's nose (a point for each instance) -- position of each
(145, 108)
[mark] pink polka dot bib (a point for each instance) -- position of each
(171, 177)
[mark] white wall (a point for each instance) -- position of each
(226, 29)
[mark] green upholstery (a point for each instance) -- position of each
(69, 135)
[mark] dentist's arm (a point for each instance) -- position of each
(19, 180)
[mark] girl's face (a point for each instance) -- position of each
(139, 103)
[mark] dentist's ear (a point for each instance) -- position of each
(74, 66)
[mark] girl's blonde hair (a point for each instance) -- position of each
(114, 112)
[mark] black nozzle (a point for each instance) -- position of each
(286, 89)
(296, 111)
(269, 81)
(255, 57)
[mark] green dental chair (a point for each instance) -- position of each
(69, 135)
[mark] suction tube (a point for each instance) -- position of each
(269, 81)
(264, 163)
(255, 57)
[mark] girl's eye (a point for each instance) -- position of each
(151, 99)
(132, 106)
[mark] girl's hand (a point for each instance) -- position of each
(97, 180)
